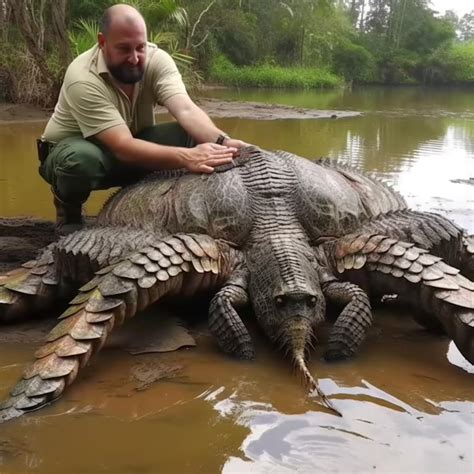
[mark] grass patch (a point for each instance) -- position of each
(269, 76)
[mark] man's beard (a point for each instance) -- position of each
(126, 75)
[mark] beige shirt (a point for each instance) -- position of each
(90, 102)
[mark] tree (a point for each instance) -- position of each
(466, 27)
(43, 26)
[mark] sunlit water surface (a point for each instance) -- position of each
(407, 398)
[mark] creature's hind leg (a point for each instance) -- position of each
(429, 231)
(419, 278)
(116, 293)
(30, 289)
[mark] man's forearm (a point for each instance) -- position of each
(202, 158)
(198, 124)
(193, 119)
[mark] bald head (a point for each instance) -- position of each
(123, 41)
(119, 16)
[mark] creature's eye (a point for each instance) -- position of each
(313, 300)
(279, 300)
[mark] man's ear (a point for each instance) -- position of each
(101, 40)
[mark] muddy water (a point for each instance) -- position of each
(407, 398)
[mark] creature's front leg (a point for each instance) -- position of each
(419, 278)
(224, 322)
(351, 325)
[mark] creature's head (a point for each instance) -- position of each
(287, 299)
(286, 294)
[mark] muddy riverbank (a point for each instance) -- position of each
(216, 108)
(20, 240)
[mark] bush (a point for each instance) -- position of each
(20, 78)
(452, 64)
(354, 62)
(398, 67)
(271, 76)
(236, 38)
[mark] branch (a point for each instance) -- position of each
(196, 45)
(200, 17)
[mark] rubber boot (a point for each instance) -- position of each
(69, 217)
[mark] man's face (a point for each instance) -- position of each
(124, 50)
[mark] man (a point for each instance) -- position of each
(102, 131)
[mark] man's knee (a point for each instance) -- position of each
(74, 168)
(75, 157)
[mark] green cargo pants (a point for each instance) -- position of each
(76, 166)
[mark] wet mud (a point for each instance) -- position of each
(21, 238)
(216, 108)
(260, 111)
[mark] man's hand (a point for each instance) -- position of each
(205, 157)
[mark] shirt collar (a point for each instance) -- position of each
(101, 66)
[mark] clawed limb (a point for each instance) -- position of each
(180, 263)
(31, 290)
(420, 279)
(225, 324)
(351, 325)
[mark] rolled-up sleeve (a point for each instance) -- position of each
(166, 79)
(93, 111)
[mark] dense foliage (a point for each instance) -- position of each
(264, 43)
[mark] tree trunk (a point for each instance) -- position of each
(61, 32)
(32, 34)
(5, 14)
(362, 16)
(30, 16)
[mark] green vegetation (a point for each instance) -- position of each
(452, 65)
(247, 43)
(268, 75)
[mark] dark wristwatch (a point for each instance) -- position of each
(221, 138)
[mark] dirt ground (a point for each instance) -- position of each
(21, 113)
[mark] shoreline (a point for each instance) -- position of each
(216, 108)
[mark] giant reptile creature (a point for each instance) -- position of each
(273, 230)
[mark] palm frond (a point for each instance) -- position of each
(83, 35)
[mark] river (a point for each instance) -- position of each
(407, 398)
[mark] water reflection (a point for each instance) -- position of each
(387, 441)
